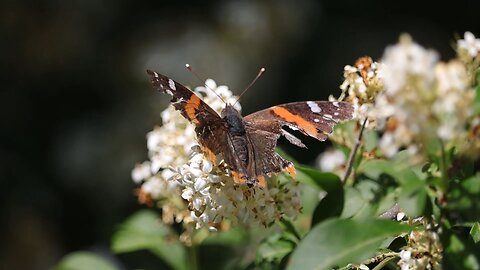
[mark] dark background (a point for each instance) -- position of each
(76, 103)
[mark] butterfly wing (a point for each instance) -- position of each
(313, 118)
(210, 128)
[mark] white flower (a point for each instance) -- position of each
(406, 262)
(388, 145)
(470, 44)
(331, 160)
(141, 172)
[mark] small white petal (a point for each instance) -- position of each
(200, 184)
(211, 84)
(187, 194)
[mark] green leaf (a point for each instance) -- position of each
(475, 232)
(332, 204)
(413, 198)
(413, 195)
(321, 180)
(83, 260)
(144, 230)
(354, 202)
(375, 167)
(232, 237)
(371, 139)
(337, 242)
(288, 227)
(274, 248)
(458, 254)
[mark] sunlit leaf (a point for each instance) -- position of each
(337, 242)
(475, 232)
(83, 260)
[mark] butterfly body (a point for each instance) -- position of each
(247, 144)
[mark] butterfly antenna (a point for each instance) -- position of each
(260, 72)
(189, 68)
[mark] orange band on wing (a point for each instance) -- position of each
(191, 108)
(308, 127)
(209, 155)
(291, 170)
(261, 181)
(239, 178)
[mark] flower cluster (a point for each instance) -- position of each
(424, 251)
(413, 99)
(361, 85)
(197, 193)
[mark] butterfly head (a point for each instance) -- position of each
(234, 120)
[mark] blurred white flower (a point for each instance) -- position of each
(141, 171)
(332, 160)
(406, 60)
(470, 44)
(406, 262)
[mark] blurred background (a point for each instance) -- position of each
(76, 103)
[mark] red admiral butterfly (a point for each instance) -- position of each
(247, 144)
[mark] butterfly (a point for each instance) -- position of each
(247, 144)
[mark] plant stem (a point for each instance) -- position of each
(351, 158)
(383, 263)
(193, 257)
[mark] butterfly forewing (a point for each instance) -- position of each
(313, 118)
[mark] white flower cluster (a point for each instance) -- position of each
(424, 251)
(362, 84)
(423, 100)
(213, 197)
(468, 47)
(413, 98)
(191, 190)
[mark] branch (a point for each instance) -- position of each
(351, 158)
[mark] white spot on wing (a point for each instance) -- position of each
(327, 117)
(171, 83)
(156, 74)
(316, 120)
(314, 107)
(335, 103)
(336, 113)
(292, 127)
(169, 92)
